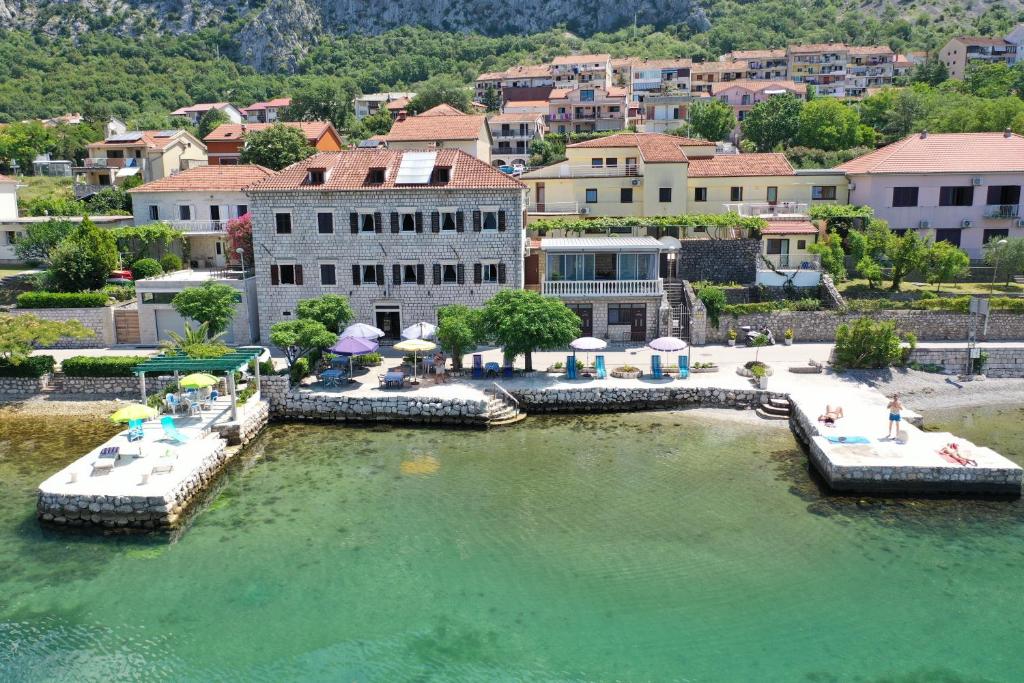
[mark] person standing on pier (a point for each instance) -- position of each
(894, 415)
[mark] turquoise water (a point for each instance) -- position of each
(644, 547)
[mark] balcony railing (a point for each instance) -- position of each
(111, 162)
(554, 207)
(565, 171)
(768, 210)
(197, 227)
(791, 261)
(602, 287)
(1002, 211)
(566, 116)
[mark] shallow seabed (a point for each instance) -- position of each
(638, 547)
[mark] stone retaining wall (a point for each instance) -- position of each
(253, 416)
(718, 260)
(133, 512)
(697, 324)
(126, 387)
(1002, 362)
(99, 320)
(820, 326)
(614, 399)
(305, 404)
(22, 386)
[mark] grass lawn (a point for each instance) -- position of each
(12, 269)
(1001, 289)
(34, 187)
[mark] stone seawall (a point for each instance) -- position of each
(614, 399)
(11, 387)
(820, 326)
(253, 416)
(305, 404)
(1002, 362)
(126, 387)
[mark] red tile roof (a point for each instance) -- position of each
(228, 178)
(227, 132)
(580, 59)
(442, 110)
(756, 54)
(740, 165)
(819, 47)
(399, 104)
(870, 50)
(981, 40)
(200, 107)
(278, 102)
(654, 148)
(525, 117)
(527, 94)
(437, 127)
(758, 85)
(349, 171)
(789, 228)
(944, 153)
(149, 139)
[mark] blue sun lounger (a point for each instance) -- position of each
(656, 367)
(602, 373)
(684, 367)
(570, 367)
(170, 431)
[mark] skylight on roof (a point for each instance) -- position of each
(415, 168)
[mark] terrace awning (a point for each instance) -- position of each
(228, 364)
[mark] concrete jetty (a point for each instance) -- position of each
(154, 480)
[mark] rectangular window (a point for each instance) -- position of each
(636, 267)
(184, 213)
(611, 162)
(572, 267)
(366, 222)
(1003, 195)
(586, 95)
(489, 272)
(626, 195)
(375, 176)
(774, 246)
(409, 274)
(994, 234)
(956, 196)
(801, 244)
(735, 194)
(489, 220)
(154, 212)
(369, 274)
(597, 162)
(700, 194)
(823, 192)
(283, 223)
(407, 221)
(904, 196)
(287, 274)
(772, 195)
(325, 222)
(328, 276)
(664, 194)
(242, 209)
(449, 273)
(214, 212)
(448, 221)
(591, 195)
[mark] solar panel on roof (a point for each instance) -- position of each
(165, 134)
(415, 168)
(125, 137)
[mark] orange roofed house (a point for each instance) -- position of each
(266, 112)
(224, 144)
(442, 127)
(145, 154)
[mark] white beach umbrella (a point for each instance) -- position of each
(363, 331)
(419, 331)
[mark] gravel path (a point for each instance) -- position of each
(54, 404)
(922, 391)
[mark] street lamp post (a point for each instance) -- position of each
(995, 269)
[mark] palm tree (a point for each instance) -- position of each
(178, 344)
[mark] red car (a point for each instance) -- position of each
(119, 277)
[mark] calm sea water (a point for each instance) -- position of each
(645, 547)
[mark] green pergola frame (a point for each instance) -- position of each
(228, 364)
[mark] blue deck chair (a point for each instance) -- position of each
(170, 431)
(656, 367)
(684, 367)
(508, 370)
(135, 430)
(570, 367)
(478, 366)
(602, 373)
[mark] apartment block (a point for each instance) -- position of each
(512, 135)
(146, 154)
(370, 104)
(588, 108)
(963, 50)
(572, 71)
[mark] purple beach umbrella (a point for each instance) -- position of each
(353, 346)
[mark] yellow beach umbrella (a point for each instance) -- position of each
(198, 380)
(136, 411)
(417, 346)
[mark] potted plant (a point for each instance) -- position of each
(787, 336)
(731, 334)
(557, 367)
(626, 372)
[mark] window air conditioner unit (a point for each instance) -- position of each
(924, 225)
(965, 223)
(584, 210)
(635, 181)
(976, 181)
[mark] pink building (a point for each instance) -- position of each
(742, 95)
(964, 188)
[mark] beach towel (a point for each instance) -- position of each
(958, 459)
(848, 439)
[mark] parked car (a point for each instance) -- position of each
(514, 171)
(120, 277)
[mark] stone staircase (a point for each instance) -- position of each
(502, 409)
(774, 409)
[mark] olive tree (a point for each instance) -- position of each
(522, 322)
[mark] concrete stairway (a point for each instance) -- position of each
(774, 409)
(502, 411)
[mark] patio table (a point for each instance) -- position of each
(395, 379)
(331, 378)
(492, 369)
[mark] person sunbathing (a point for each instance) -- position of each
(952, 451)
(832, 413)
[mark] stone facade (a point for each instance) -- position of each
(419, 291)
(615, 399)
(820, 326)
(829, 293)
(1002, 361)
(99, 320)
(697, 315)
(11, 387)
(729, 260)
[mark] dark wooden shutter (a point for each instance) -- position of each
(380, 274)
(298, 274)
(353, 222)
(476, 221)
(394, 221)
(420, 274)
(435, 221)
(501, 220)
(437, 273)
(396, 274)
(460, 274)
(460, 222)
(355, 274)
(501, 273)
(419, 221)
(275, 278)
(378, 222)
(477, 273)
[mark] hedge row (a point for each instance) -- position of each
(33, 366)
(62, 300)
(958, 304)
(101, 366)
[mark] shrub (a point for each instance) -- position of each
(367, 359)
(806, 304)
(713, 299)
(170, 263)
(867, 344)
(247, 393)
(124, 292)
(300, 368)
(627, 368)
(101, 366)
(146, 267)
(979, 363)
(33, 366)
(62, 300)
(927, 294)
(266, 367)
(207, 350)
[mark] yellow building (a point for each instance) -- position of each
(652, 174)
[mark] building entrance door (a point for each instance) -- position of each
(586, 316)
(389, 321)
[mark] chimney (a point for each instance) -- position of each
(924, 134)
(1007, 132)
(401, 115)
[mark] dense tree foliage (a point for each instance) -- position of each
(441, 90)
(276, 147)
(522, 322)
(209, 121)
(330, 310)
(212, 304)
(712, 120)
(324, 99)
(772, 122)
(84, 259)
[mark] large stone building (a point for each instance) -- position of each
(398, 232)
